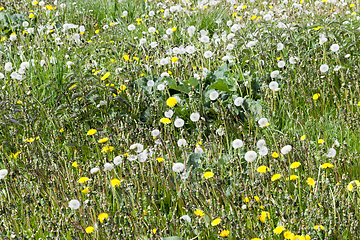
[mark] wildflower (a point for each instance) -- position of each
(237, 143)
(250, 156)
(262, 169)
(316, 96)
(89, 229)
(179, 123)
(103, 140)
(335, 47)
(83, 179)
(274, 86)
(263, 122)
(275, 155)
(160, 159)
(263, 151)
(275, 177)
(292, 177)
(213, 95)
(224, 233)
(331, 153)
(208, 54)
(238, 101)
(186, 218)
(195, 117)
(94, 170)
(215, 222)
(320, 141)
(311, 182)
(75, 164)
(108, 166)
(103, 216)
(326, 165)
(171, 102)
(303, 137)
(288, 235)
(115, 182)
(117, 160)
(174, 59)
(324, 68)
(178, 167)
(155, 133)
(208, 175)
(3, 173)
(263, 216)
(105, 76)
(279, 230)
(154, 230)
(181, 142)
(74, 204)
(165, 120)
(319, 227)
(295, 165)
(85, 190)
(199, 212)
(286, 149)
(91, 132)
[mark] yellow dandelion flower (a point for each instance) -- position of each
(31, 15)
(126, 58)
(326, 165)
(103, 216)
(288, 235)
(122, 87)
(275, 155)
(295, 165)
(174, 59)
(83, 179)
(171, 101)
(160, 159)
(316, 96)
(262, 169)
(224, 233)
(115, 182)
(103, 140)
(75, 164)
(89, 229)
(275, 177)
(208, 175)
(319, 227)
(91, 132)
(257, 198)
(320, 141)
(292, 177)
(154, 230)
(350, 187)
(85, 190)
(279, 230)
(199, 212)
(165, 120)
(105, 76)
(311, 182)
(303, 137)
(263, 216)
(215, 222)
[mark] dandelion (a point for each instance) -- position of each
(213, 95)
(331, 153)
(169, 113)
(208, 175)
(108, 166)
(103, 140)
(131, 27)
(74, 204)
(208, 54)
(324, 68)
(171, 102)
(288, 235)
(91, 132)
(178, 167)
(224, 233)
(85, 190)
(115, 182)
(274, 86)
(311, 182)
(275, 155)
(295, 165)
(326, 165)
(181, 142)
(165, 121)
(215, 222)
(263, 122)
(186, 218)
(195, 117)
(279, 230)
(3, 173)
(335, 47)
(320, 141)
(275, 177)
(105, 76)
(237, 143)
(316, 96)
(94, 170)
(303, 137)
(160, 159)
(75, 164)
(263, 216)
(199, 213)
(83, 179)
(117, 160)
(286, 149)
(292, 177)
(238, 101)
(263, 151)
(103, 216)
(262, 169)
(179, 123)
(89, 229)
(250, 156)
(319, 227)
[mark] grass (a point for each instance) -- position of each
(63, 83)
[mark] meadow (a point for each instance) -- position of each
(182, 119)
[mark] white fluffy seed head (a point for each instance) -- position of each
(250, 156)
(286, 149)
(178, 167)
(237, 143)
